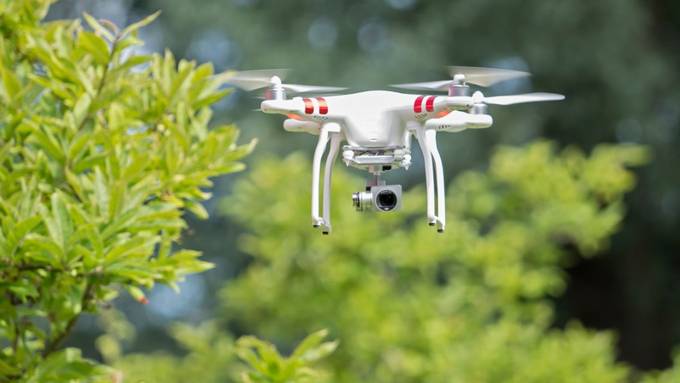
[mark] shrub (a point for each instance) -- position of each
(213, 357)
(103, 152)
(410, 305)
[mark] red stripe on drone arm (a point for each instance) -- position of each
(323, 106)
(418, 104)
(429, 103)
(309, 106)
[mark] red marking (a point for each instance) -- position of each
(443, 113)
(323, 106)
(429, 103)
(143, 300)
(418, 104)
(294, 116)
(309, 106)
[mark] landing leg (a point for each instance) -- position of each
(431, 137)
(316, 170)
(327, 174)
(429, 182)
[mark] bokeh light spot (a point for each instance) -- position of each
(323, 33)
(401, 4)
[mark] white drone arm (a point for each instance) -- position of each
(295, 109)
(302, 126)
(453, 102)
(457, 121)
(292, 106)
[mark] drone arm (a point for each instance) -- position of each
(454, 102)
(457, 121)
(294, 125)
(292, 106)
(336, 138)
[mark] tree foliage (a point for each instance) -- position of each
(209, 357)
(268, 366)
(616, 60)
(103, 151)
(213, 357)
(410, 305)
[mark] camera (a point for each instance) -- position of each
(380, 198)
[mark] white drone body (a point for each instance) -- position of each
(377, 127)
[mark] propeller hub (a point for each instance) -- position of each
(275, 80)
(477, 97)
(275, 90)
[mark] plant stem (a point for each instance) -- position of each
(53, 345)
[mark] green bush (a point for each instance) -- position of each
(103, 151)
(410, 305)
(212, 357)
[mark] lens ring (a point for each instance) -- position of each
(386, 200)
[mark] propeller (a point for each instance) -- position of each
(478, 98)
(486, 76)
(262, 78)
(432, 86)
(467, 74)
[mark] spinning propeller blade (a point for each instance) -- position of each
(522, 98)
(438, 86)
(296, 88)
(262, 78)
(472, 75)
(255, 79)
(486, 76)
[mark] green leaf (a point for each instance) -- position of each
(81, 108)
(97, 27)
(312, 341)
(319, 352)
(46, 140)
(11, 84)
(94, 45)
(197, 209)
(137, 294)
(43, 249)
(78, 145)
(58, 223)
(211, 98)
(132, 28)
(133, 62)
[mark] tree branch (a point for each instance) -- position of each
(53, 345)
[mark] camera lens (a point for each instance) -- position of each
(386, 200)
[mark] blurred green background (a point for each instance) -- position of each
(617, 61)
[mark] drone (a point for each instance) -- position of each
(377, 127)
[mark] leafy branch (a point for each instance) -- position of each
(93, 196)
